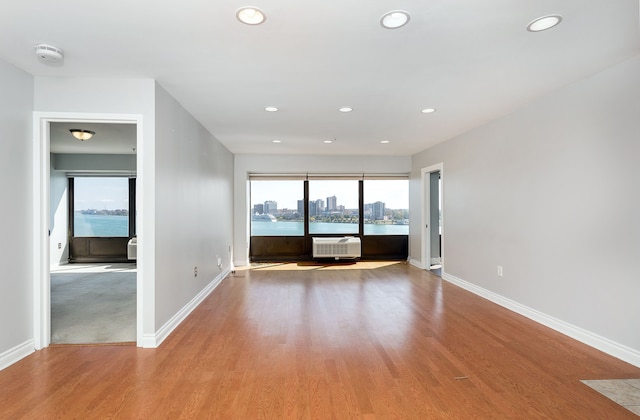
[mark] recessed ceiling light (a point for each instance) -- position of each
(250, 15)
(328, 141)
(345, 109)
(394, 19)
(276, 141)
(428, 110)
(384, 141)
(271, 109)
(544, 23)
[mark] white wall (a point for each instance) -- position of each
(131, 97)
(552, 194)
(16, 313)
(58, 218)
(279, 164)
(194, 207)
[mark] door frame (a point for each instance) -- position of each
(425, 232)
(41, 224)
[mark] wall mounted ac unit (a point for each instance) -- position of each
(341, 247)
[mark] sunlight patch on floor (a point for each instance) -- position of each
(315, 265)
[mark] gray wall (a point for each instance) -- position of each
(194, 207)
(58, 218)
(16, 302)
(552, 194)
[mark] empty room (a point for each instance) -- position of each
(326, 210)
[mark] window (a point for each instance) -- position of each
(277, 207)
(333, 206)
(386, 207)
(100, 207)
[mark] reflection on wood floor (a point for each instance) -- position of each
(387, 341)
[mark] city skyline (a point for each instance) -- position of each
(394, 194)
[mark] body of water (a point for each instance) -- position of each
(100, 225)
(259, 228)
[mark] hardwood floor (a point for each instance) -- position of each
(355, 341)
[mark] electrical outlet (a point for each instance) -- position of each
(499, 271)
(59, 245)
(195, 271)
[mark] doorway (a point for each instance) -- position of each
(48, 244)
(432, 230)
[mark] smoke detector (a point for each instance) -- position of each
(49, 54)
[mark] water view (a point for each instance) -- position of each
(100, 225)
(283, 228)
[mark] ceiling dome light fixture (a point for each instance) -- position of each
(428, 110)
(82, 135)
(276, 141)
(394, 19)
(328, 141)
(385, 141)
(250, 15)
(543, 23)
(345, 109)
(271, 109)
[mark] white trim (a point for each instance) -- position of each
(17, 353)
(425, 240)
(241, 263)
(41, 173)
(603, 344)
(417, 263)
(154, 340)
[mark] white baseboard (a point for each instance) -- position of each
(416, 263)
(241, 263)
(154, 340)
(603, 344)
(17, 353)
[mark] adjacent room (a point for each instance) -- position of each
(93, 226)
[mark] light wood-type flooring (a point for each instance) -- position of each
(357, 341)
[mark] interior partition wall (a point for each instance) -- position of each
(288, 211)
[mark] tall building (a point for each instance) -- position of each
(313, 210)
(270, 207)
(301, 208)
(258, 209)
(377, 211)
(332, 203)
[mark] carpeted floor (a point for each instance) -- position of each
(93, 304)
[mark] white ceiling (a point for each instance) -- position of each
(108, 138)
(472, 60)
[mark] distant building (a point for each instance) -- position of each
(316, 208)
(258, 209)
(377, 211)
(332, 203)
(301, 208)
(270, 207)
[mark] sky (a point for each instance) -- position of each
(394, 193)
(112, 193)
(101, 193)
